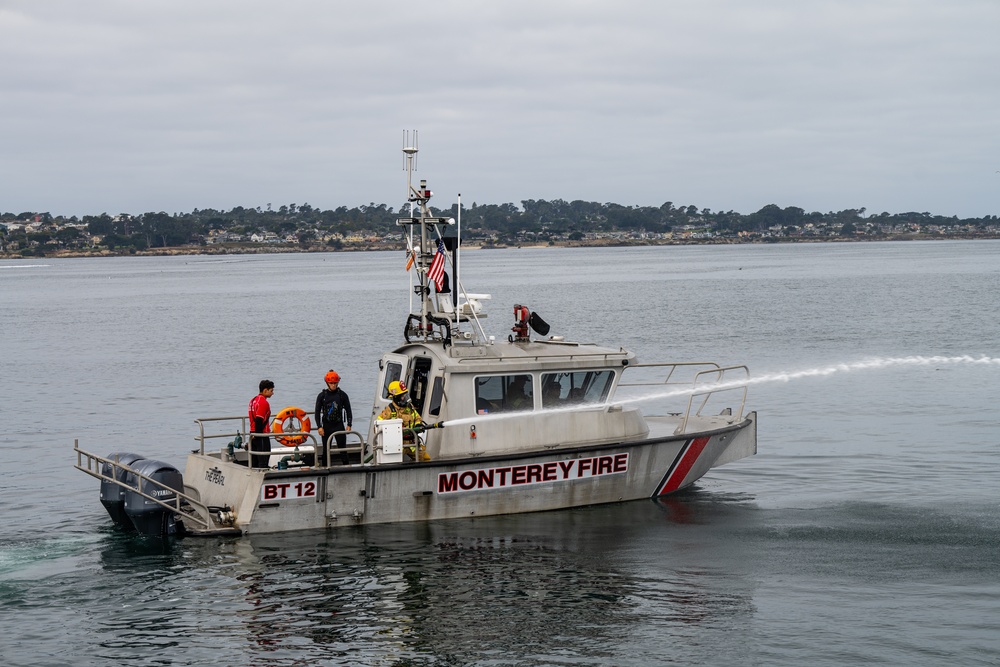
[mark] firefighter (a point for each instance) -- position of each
(401, 408)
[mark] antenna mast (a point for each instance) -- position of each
(423, 252)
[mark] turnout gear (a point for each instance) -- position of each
(412, 424)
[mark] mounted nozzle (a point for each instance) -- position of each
(523, 319)
(520, 327)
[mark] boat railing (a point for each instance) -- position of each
(703, 388)
(331, 440)
(181, 504)
(240, 439)
(718, 384)
(201, 437)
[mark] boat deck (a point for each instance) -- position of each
(664, 426)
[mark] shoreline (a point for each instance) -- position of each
(247, 249)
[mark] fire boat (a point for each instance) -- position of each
(528, 423)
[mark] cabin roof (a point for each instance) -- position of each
(546, 355)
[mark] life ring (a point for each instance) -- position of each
(287, 418)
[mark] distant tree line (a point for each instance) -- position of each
(540, 219)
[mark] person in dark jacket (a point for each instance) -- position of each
(333, 413)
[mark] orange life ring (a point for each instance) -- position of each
(294, 420)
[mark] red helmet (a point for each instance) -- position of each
(332, 377)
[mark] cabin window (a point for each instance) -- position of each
(504, 393)
(393, 372)
(564, 389)
(437, 394)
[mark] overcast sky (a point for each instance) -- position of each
(173, 105)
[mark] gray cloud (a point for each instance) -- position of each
(123, 106)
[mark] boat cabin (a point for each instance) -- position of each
(506, 397)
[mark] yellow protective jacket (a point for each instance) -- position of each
(407, 413)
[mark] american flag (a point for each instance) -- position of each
(436, 272)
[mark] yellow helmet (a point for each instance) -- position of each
(396, 388)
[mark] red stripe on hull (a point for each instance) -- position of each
(683, 467)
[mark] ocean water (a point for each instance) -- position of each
(866, 530)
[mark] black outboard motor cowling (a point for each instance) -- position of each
(150, 518)
(113, 495)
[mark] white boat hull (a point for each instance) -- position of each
(268, 501)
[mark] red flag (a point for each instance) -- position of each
(436, 272)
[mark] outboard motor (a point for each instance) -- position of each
(113, 495)
(149, 518)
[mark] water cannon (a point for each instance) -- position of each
(525, 319)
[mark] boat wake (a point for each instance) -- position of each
(20, 555)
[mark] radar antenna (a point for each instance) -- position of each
(411, 145)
